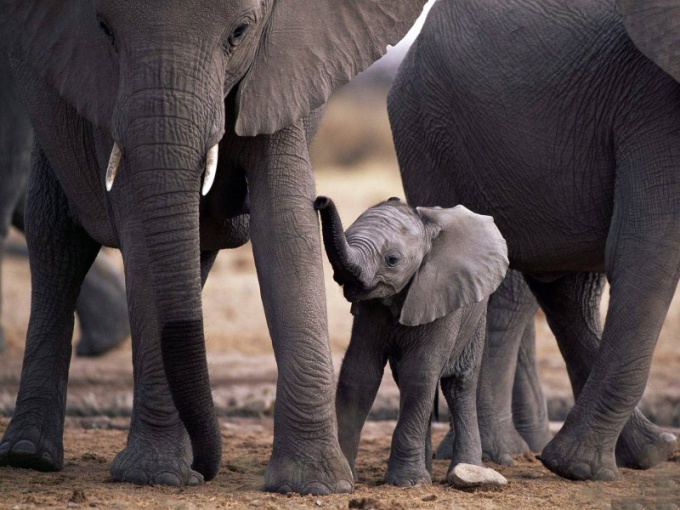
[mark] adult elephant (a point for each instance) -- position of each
(547, 117)
(149, 94)
(101, 306)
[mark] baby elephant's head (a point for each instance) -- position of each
(444, 258)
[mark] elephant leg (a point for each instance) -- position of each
(572, 308)
(102, 310)
(460, 391)
(306, 455)
(407, 465)
(511, 308)
(529, 409)
(158, 450)
(360, 376)
(61, 254)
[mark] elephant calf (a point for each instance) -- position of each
(418, 280)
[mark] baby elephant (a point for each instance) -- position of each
(418, 280)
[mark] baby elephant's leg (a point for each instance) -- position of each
(460, 391)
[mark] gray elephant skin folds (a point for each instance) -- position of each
(171, 130)
(419, 281)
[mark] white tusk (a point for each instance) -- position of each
(210, 169)
(114, 163)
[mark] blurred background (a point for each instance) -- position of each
(355, 164)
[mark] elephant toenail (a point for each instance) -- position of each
(195, 480)
(607, 475)
(316, 488)
(581, 471)
(24, 447)
(137, 476)
(167, 478)
(4, 448)
(345, 487)
(506, 460)
(47, 457)
(667, 437)
(284, 489)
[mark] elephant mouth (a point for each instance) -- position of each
(356, 293)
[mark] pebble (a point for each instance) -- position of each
(465, 476)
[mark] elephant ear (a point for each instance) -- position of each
(61, 41)
(654, 27)
(309, 49)
(467, 262)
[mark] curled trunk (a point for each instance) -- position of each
(346, 269)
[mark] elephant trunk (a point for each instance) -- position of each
(164, 163)
(341, 255)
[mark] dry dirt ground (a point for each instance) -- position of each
(243, 376)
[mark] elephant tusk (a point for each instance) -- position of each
(210, 169)
(114, 163)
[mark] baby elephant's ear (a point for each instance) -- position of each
(467, 263)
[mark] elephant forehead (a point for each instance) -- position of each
(388, 223)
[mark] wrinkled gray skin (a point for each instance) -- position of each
(546, 116)
(418, 282)
(101, 306)
(511, 407)
(166, 81)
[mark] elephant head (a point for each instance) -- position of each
(653, 27)
(442, 259)
(155, 76)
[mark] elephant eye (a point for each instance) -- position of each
(392, 259)
(104, 27)
(238, 34)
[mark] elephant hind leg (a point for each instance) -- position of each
(61, 254)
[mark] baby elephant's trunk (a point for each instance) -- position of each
(341, 255)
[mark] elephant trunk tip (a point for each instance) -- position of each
(322, 203)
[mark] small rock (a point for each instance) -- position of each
(465, 476)
(317, 502)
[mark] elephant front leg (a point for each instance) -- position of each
(360, 376)
(407, 465)
(571, 305)
(511, 308)
(306, 456)
(158, 450)
(61, 253)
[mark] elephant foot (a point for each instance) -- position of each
(445, 448)
(321, 469)
(407, 475)
(642, 444)
(580, 457)
(501, 442)
(95, 343)
(28, 447)
(468, 476)
(155, 463)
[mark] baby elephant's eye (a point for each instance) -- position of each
(238, 34)
(392, 259)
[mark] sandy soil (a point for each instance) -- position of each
(85, 481)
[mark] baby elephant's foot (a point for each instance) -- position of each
(467, 476)
(407, 475)
(642, 444)
(320, 468)
(155, 463)
(28, 447)
(580, 458)
(445, 448)
(501, 442)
